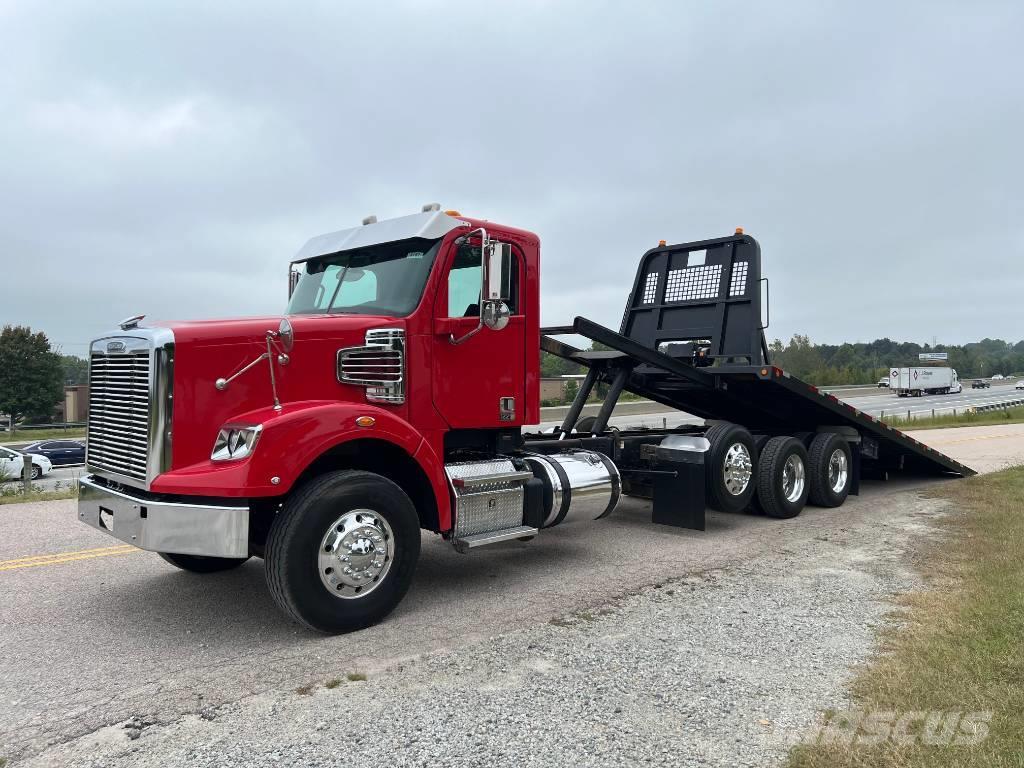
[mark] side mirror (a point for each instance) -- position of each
(497, 269)
(293, 278)
(495, 288)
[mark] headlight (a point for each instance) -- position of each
(235, 442)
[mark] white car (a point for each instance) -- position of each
(12, 463)
(1019, 384)
(998, 377)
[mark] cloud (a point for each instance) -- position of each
(111, 126)
(169, 158)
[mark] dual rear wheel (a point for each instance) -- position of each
(775, 475)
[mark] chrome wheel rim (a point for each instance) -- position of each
(837, 470)
(793, 478)
(356, 554)
(737, 469)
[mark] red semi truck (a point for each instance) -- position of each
(391, 398)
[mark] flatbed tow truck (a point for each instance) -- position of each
(394, 396)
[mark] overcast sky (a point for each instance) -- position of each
(170, 158)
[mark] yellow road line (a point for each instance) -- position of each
(62, 554)
(59, 558)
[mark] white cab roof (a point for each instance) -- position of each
(429, 224)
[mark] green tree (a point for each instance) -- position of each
(31, 374)
(76, 370)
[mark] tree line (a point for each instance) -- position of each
(863, 362)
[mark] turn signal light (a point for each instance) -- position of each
(365, 421)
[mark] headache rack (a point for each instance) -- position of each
(692, 338)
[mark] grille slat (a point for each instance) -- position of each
(119, 408)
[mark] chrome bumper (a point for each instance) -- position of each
(184, 529)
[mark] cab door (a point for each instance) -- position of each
(478, 380)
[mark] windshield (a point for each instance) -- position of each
(385, 279)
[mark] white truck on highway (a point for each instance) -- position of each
(923, 380)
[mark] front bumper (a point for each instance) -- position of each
(159, 526)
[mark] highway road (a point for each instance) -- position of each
(877, 402)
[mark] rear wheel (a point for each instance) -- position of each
(782, 485)
(201, 564)
(729, 467)
(830, 467)
(342, 551)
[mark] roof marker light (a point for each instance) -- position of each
(739, 230)
(661, 243)
(431, 207)
(453, 212)
(369, 220)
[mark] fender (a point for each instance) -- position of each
(291, 440)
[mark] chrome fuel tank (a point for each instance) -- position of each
(578, 485)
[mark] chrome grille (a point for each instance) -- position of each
(119, 412)
(379, 365)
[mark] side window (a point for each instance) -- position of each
(464, 283)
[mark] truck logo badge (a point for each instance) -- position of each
(116, 346)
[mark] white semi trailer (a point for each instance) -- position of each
(923, 380)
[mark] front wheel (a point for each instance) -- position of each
(36, 472)
(341, 553)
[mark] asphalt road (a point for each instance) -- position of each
(94, 632)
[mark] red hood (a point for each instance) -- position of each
(245, 330)
(205, 351)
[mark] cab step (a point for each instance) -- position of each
(466, 543)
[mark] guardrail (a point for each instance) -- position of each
(65, 425)
(998, 406)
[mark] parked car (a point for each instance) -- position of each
(1019, 384)
(59, 452)
(980, 384)
(883, 382)
(998, 377)
(12, 463)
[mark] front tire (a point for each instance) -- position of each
(202, 564)
(36, 472)
(341, 553)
